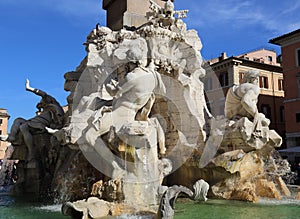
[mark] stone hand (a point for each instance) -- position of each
(28, 86)
(112, 88)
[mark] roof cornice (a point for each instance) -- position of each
(286, 39)
(240, 61)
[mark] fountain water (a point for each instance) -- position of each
(8, 173)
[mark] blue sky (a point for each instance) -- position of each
(41, 40)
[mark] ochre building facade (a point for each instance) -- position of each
(290, 49)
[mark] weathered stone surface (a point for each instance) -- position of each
(247, 177)
(166, 207)
(90, 208)
(96, 208)
(74, 176)
(282, 187)
(111, 190)
(233, 188)
(239, 135)
(245, 183)
(34, 177)
(297, 197)
(247, 165)
(267, 189)
(247, 193)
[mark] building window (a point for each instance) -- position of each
(298, 57)
(260, 60)
(223, 79)
(208, 84)
(298, 117)
(280, 84)
(0, 132)
(298, 81)
(241, 76)
(1, 121)
(266, 109)
(263, 82)
(282, 114)
(270, 59)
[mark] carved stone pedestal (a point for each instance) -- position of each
(35, 176)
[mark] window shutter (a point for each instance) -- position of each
(241, 77)
(260, 81)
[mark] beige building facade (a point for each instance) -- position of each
(261, 55)
(3, 130)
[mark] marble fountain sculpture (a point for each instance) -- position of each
(133, 135)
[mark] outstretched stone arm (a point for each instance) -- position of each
(34, 90)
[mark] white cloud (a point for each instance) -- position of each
(276, 16)
(292, 27)
(293, 7)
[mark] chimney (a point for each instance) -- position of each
(223, 55)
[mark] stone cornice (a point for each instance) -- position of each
(4, 115)
(287, 39)
(239, 61)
